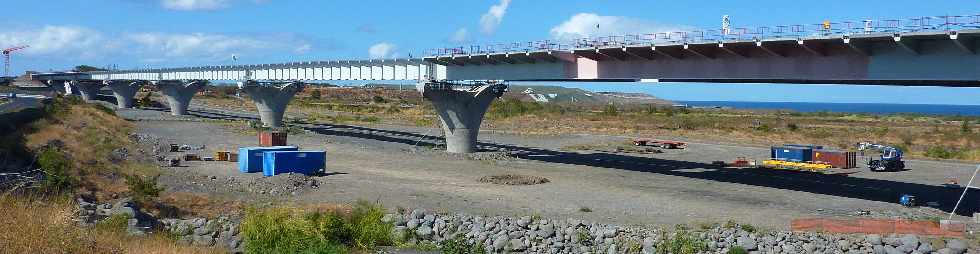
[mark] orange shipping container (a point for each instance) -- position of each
(838, 159)
(272, 138)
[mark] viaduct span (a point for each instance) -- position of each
(925, 51)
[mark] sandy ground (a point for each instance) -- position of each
(392, 164)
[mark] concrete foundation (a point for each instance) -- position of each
(88, 89)
(179, 93)
(461, 109)
(271, 99)
(124, 91)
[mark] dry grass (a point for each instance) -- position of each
(177, 204)
(916, 133)
(514, 179)
(89, 133)
(45, 226)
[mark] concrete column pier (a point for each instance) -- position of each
(461, 109)
(88, 89)
(179, 93)
(124, 91)
(271, 99)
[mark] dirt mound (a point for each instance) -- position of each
(490, 156)
(514, 179)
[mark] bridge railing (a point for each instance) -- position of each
(794, 31)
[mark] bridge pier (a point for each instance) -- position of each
(124, 91)
(88, 89)
(271, 99)
(461, 110)
(179, 93)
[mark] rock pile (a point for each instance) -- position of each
(535, 235)
(222, 231)
(138, 223)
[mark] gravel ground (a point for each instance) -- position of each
(392, 164)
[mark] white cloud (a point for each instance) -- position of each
(460, 36)
(54, 40)
(196, 45)
(490, 20)
(194, 5)
(382, 50)
(584, 25)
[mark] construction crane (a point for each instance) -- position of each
(890, 159)
(6, 58)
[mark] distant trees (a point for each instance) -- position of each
(87, 68)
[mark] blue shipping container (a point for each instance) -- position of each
(303, 162)
(792, 153)
(250, 158)
(806, 146)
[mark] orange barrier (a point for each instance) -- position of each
(876, 226)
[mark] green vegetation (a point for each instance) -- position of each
(943, 152)
(115, 223)
(282, 230)
(55, 166)
(681, 242)
(315, 94)
(737, 250)
(143, 188)
(506, 108)
(459, 245)
(584, 237)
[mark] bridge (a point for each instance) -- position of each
(463, 81)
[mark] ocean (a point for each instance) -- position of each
(872, 108)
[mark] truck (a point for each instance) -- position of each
(889, 160)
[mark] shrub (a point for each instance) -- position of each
(942, 152)
(610, 110)
(737, 250)
(55, 166)
(378, 99)
(584, 237)
(792, 126)
(280, 230)
(315, 94)
(748, 228)
(965, 128)
(459, 245)
(681, 242)
(763, 128)
(114, 223)
(143, 188)
(366, 228)
(105, 109)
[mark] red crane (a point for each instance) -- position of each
(6, 58)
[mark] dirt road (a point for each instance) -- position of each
(393, 164)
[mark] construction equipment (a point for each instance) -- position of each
(6, 57)
(890, 159)
(666, 144)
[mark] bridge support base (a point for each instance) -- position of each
(179, 94)
(271, 99)
(124, 91)
(461, 109)
(89, 90)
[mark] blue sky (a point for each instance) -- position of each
(158, 33)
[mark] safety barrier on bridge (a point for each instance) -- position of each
(824, 29)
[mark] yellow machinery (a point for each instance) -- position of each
(791, 165)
